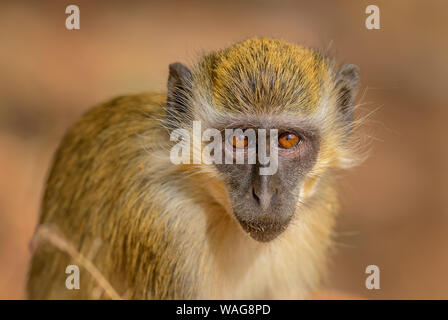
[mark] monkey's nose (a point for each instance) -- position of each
(264, 197)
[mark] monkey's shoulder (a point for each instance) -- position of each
(111, 130)
(147, 99)
(121, 107)
(127, 114)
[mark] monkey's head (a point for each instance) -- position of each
(269, 84)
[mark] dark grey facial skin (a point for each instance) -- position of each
(265, 204)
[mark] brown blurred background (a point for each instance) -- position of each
(395, 207)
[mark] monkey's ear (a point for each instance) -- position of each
(179, 90)
(347, 81)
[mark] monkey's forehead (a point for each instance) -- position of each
(266, 74)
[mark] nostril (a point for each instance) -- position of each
(255, 196)
(275, 194)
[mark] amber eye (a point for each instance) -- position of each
(240, 141)
(288, 140)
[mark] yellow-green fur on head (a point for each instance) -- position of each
(265, 75)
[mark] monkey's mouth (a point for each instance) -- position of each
(264, 230)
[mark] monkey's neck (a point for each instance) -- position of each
(236, 266)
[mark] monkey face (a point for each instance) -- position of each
(268, 84)
(264, 204)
